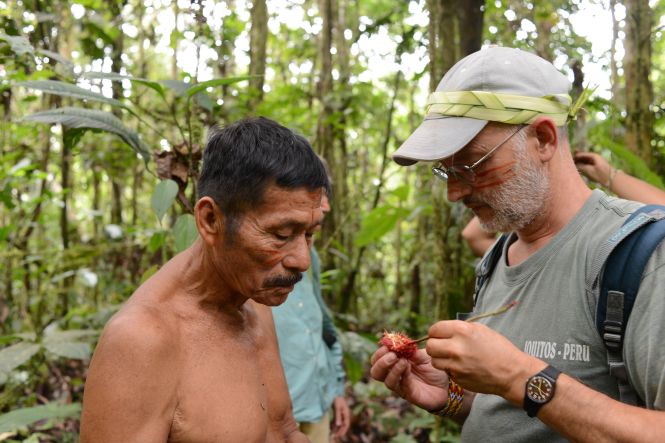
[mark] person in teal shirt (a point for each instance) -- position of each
(311, 354)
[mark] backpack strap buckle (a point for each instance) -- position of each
(613, 325)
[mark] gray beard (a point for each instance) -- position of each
(518, 201)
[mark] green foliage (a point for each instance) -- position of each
(69, 90)
(53, 298)
(163, 197)
(20, 418)
(91, 119)
(66, 344)
(14, 356)
(18, 44)
(606, 141)
(357, 351)
(185, 232)
(378, 223)
(112, 76)
(200, 87)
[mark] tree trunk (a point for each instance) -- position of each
(337, 226)
(258, 39)
(435, 9)
(471, 17)
(116, 66)
(579, 139)
(225, 63)
(416, 293)
(544, 16)
(174, 42)
(66, 189)
(617, 97)
(349, 288)
(324, 131)
(455, 30)
(96, 199)
(639, 91)
(324, 140)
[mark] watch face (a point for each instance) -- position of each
(539, 389)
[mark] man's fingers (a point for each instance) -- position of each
(393, 379)
(382, 365)
(447, 328)
(346, 422)
(378, 354)
(420, 357)
(342, 419)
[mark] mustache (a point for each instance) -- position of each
(282, 281)
(472, 201)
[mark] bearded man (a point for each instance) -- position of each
(496, 129)
(192, 356)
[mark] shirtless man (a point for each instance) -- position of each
(192, 356)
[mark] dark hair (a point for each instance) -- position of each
(243, 158)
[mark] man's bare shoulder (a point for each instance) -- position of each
(135, 342)
(131, 389)
(143, 328)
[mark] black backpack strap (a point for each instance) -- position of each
(630, 248)
(487, 264)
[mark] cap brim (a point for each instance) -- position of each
(437, 138)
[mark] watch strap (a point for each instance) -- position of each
(532, 407)
(551, 372)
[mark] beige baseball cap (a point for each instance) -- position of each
(500, 84)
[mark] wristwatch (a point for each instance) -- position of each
(540, 390)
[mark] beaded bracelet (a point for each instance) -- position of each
(454, 404)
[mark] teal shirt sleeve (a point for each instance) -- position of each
(335, 352)
(314, 372)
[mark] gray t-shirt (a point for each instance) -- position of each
(555, 321)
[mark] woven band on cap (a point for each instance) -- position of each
(503, 108)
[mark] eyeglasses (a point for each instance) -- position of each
(465, 173)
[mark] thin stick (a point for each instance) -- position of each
(493, 313)
(421, 339)
(479, 316)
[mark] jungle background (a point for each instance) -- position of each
(104, 110)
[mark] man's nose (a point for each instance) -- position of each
(298, 258)
(457, 190)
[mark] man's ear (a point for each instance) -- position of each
(547, 135)
(209, 220)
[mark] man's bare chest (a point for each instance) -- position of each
(222, 395)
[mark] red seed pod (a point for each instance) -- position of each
(399, 343)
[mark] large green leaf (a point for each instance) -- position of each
(177, 86)
(156, 241)
(20, 45)
(204, 101)
(180, 88)
(163, 197)
(113, 76)
(97, 30)
(69, 90)
(379, 222)
(92, 119)
(185, 232)
(402, 192)
(57, 57)
(70, 335)
(68, 343)
(77, 350)
(201, 87)
(14, 356)
(636, 164)
(20, 418)
(198, 90)
(72, 136)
